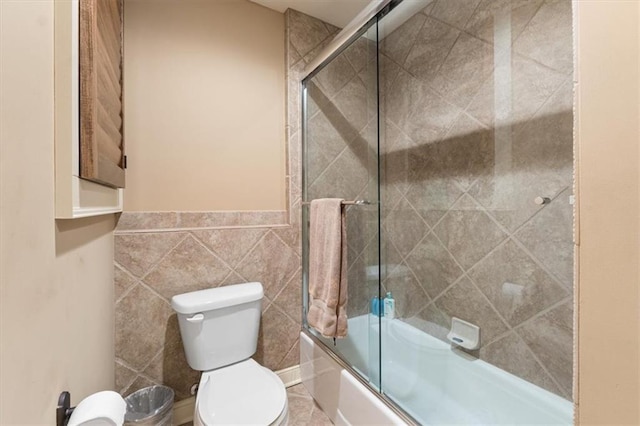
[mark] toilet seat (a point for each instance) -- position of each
(244, 393)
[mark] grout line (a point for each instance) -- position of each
(162, 258)
(544, 368)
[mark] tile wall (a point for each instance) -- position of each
(476, 107)
(160, 254)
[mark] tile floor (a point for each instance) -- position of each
(303, 411)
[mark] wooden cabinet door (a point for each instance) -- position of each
(101, 136)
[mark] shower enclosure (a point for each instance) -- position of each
(449, 124)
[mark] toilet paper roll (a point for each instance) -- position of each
(105, 408)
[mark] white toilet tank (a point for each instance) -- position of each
(219, 326)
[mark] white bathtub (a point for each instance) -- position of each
(433, 383)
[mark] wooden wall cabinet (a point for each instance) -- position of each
(89, 148)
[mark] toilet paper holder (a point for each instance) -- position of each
(64, 409)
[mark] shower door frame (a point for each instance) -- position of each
(368, 18)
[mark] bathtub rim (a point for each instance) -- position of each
(392, 405)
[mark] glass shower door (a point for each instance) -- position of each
(476, 158)
(340, 160)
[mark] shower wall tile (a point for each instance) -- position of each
(409, 294)
(468, 232)
(305, 32)
(516, 286)
(490, 15)
(159, 254)
(433, 266)
(454, 12)
(464, 301)
(404, 227)
(334, 76)
(431, 48)
(546, 237)
(511, 354)
(473, 132)
(548, 36)
(397, 45)
(550, 337)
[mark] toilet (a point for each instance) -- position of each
(219, 329)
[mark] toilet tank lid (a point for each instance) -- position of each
(216, 298)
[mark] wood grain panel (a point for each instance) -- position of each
(101, 138)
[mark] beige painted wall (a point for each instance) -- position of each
(56, 277)
(609, 303)
(204, 106)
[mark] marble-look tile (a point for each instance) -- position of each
(516, 286)
(289, 299)
(396, 148)
(498, 17)
(433, 196)
(464, 301)
(466, 153)
(549, 237)
(550, 337)
(137, 253)
(404, 227)
(353, 103)
(318, 417)
(140, 322)
(467, 66)
(139, 383)
(467, 232)
(410, 297)
(299, 409)
(272, 263)
(189, 267)
(124, 376)
(432, 321)
(278, 333)
(122, 281)
(548, 36)
(418, 111)
(360, 53)
(538, 162)
(170, 366)
(397, 45)
(301, 405)
(146, 220)
(305, 31)
(335, 75)
(454, 12)
(433, 266)
(233, 278)
(291, 358)
(327, 136)
(230, 245)
(531, 86)
(345, 178)
(360, 289)
(432, 46)
(511, 354)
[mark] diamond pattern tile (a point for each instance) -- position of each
(188, 267)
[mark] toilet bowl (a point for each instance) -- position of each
(219, 329)
(241, 394)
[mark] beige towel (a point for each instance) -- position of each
(328, 268)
